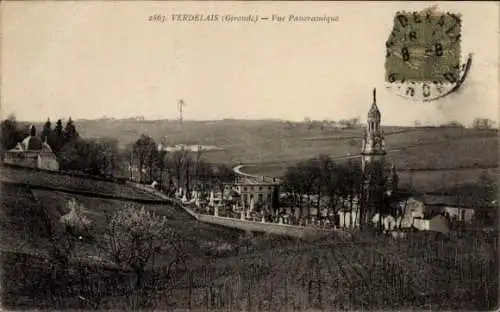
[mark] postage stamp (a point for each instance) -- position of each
(423, 54)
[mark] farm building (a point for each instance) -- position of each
(32, 153)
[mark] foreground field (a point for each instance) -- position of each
(335, 276)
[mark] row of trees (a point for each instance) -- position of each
(335, 182)
(326, 124)
(477, 123)
(344, 185)
(181, 168)
(13, 132)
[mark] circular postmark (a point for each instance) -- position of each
(423, 59)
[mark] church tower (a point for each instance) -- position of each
(372, 163)
(373, 149)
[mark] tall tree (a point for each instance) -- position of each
(292, 183)
(177, 159)
(329, 179)
(58, 140)
(188, 164)
(223, 174)
(11, 133)
(70, 133)
(144, 150)
(197, 161)
(162, 165)
(310, 176)
(47, 131)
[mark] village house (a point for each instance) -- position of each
(463, 210)
(32, 153)
(263, 191)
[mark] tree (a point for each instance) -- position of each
(144, 150)
(488, 190)
(58, 129)
(135, 236)
(292, 184)
(90, 156)
(162, 165)
(483, 123)
(453, 124)
(49, 135)
(58, 140)
(70, 134)
(223, 174)
(187, 162)
(310, 174)
(177, 159)
(47, 131)
(329, 178)
(11, 133)
(197, 161)
(205, 174)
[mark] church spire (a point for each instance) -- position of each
(374, 113)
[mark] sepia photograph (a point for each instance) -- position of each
(249, 156)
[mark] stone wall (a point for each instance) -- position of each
(267, 227)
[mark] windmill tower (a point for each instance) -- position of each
(180, 107)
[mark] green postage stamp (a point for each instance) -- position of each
(423, 54)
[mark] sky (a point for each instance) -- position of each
(94, 59)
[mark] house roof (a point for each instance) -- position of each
(454, 201)
(32, 144)
(250, 180)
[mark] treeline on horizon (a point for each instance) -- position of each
(477, 123)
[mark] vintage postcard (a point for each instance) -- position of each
(249, 155)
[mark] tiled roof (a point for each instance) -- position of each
(455, 201)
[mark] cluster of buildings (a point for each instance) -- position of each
(424, 212)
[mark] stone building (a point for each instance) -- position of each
(264, 192)
(32, 153)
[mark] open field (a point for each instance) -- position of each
(274, 141)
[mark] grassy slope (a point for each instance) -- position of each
(264, 141)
